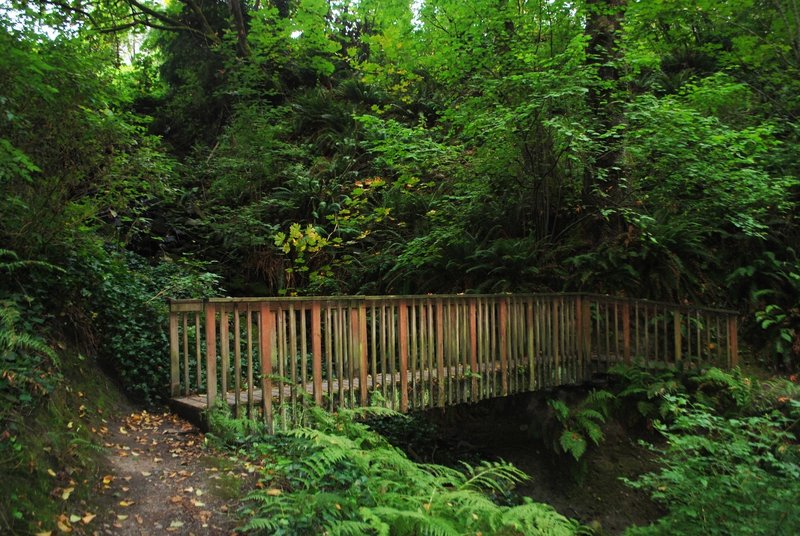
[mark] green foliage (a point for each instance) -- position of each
(340, 477)
(580, 424)
(726, 475)
(116, 302)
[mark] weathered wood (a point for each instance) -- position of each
(224, 350)
(185, 353)
(211, 355)
(733, 342)
(265, 352)
(427, 350)
(174, 356)
(362, 352)
(237, 364)
(626, 333)
(403, 332)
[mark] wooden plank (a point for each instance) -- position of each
(362, 351)
(473, 345)
(529, 332)
(733, 342)
(292, 357)
(225, 348)
(198, 354)
(265, 351)
(211, 355)
(440, 350)
(304, 348)
(237, 363)
(316, 351)
(413, 352)
(626, 332)
(676, 329)
(174, 356)
(403, 329)
(503, 342)
(329, 351)
(374, 344)
(185, 353)
(250, 412)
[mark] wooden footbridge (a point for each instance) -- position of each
(418, 352)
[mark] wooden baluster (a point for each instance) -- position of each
(733, 342)
(265, 349)
(403, 329)
(186, 385)
(198, 358)
(361, 334)
(440, 351)
(316, 350)
(626, 332)
(225, 348)
(174, 356)
(237, 364)
(250, 362)
(211, 355)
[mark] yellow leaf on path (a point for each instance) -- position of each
(198, 503)
(122, 517)
(108, 479)
(125, 503)
(146, 473)
(88, 518)
(74, 518)
(69, 425)
(51, 472)
(63, 527)
(123, 431)
(66, 493)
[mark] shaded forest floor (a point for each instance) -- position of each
(161, 478)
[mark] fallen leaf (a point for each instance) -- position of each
(176, 524)
(74, 518)
(125, 504)
(66, 493)
(274, 492)
(108, 479)
(88, 518)
(63, 527)
(45, 533)
(51, 472)
(175, 499)
(198, 503)
(146, 473)
(122, 517)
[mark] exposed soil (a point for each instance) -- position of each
(162, 479)
(511, 429)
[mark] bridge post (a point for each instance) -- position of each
(174, 353)
(265, 347)
(504, 345)
(362, 352)
(440, 350)
(733, 342)
(403, 328)
(626, 331)
(316, 351)
(473, 347)
(211, 354)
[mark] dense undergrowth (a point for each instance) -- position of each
(337, 476)
(729, 461)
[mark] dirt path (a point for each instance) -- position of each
(161, 479)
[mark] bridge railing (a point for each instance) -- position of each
(416, 352)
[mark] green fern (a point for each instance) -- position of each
(340, 477)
